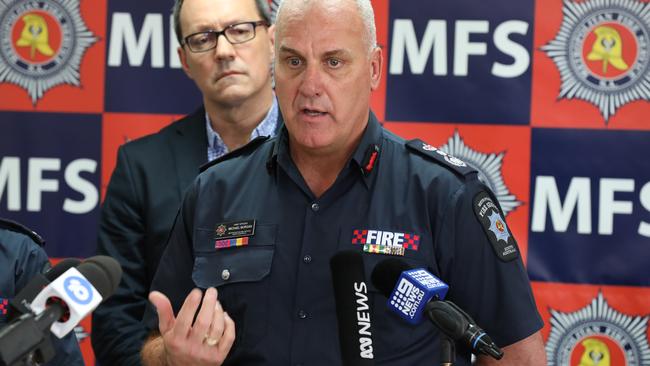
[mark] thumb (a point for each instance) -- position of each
(165, 313)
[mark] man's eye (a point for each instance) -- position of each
(294, 62)
(332, 62)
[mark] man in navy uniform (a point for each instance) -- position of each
(226, 47)
(262, 224)
(21, 258)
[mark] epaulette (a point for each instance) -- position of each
(250, 146)
(21, 229)
(452, 163)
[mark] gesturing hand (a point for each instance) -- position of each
(207, 342)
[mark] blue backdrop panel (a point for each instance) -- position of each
(141, 73)
(61, 202)
(480, 96)
(606, 171)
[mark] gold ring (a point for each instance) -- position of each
(210, 341)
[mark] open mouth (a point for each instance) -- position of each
(313, 112)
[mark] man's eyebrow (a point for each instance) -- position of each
(336, 52)
(286, 49)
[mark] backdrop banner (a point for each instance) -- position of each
(549, 100)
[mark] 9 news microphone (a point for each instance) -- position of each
(58, 308)
(412, 295)
(352, 309)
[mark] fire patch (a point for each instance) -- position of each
(385, 242)
(495, 227)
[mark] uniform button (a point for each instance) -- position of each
(225, 275)
(306, 258)
(315, 207)
(302, 314)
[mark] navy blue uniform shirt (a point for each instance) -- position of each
(21, 258)
(276, 283)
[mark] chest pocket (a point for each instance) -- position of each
(239, 273)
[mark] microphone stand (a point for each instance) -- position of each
(26, 340)
(447, 351)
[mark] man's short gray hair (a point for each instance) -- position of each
(367, 16)
(262, 8)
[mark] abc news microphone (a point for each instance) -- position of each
(412, 293)
(352, 309)
(57, 308)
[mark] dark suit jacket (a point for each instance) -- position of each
(142, 199)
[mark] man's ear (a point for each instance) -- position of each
(376, 63)
(271, 33)
(182, 55)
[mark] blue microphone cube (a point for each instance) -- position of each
(414, 289)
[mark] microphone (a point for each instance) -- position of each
(78, 291)
(458, 325)
(20, 303)
(352, 309)
(59, 307)
(392, 277)
(408, 290)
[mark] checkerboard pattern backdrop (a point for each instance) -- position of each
(548, 99)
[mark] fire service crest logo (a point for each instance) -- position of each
(489, 168)
(601, 52)
(597, 335)
(41, 44)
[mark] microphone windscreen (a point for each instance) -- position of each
(386, 273)
(351, 297)
(63, 265)
(447, 318)
(103, 272)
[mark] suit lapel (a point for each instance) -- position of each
(189, 144)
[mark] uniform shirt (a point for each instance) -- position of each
(276, 284)
(22, 258)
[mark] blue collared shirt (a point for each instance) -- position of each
(216, 146)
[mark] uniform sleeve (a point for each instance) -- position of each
(174, 275)
(117, 330)
(31, 262)
(494, 291)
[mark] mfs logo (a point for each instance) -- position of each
(597, 335)
(468, 52)
(590, 207)
(601, 52)
(41, 44)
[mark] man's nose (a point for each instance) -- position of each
(312, 82)
(224, 49)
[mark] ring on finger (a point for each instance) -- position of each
(210, 341)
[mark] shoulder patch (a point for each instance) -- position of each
(432, 153)
(489, 215)
(250, 146)
(22, 229)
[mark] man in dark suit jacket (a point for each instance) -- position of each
(145, 190)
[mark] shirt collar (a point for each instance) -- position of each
(266, 128)
(362, 159)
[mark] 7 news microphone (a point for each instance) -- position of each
(19, 304)
(352, 309)
(57, 308)
(414, 292)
